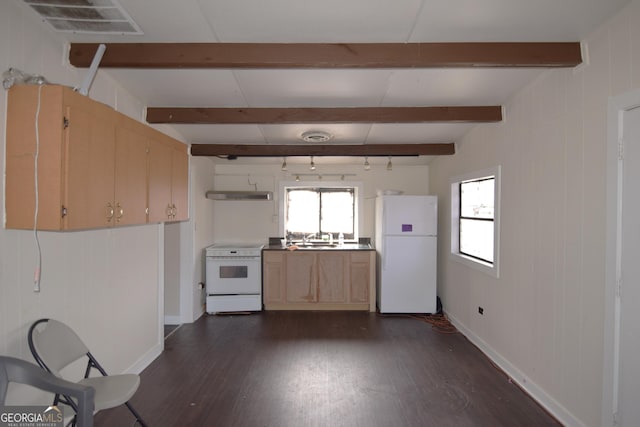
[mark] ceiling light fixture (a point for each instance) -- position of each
(316, 136)
(297, 178)
(389, 165)
(284, 164)
(312, 166)
(367, 166)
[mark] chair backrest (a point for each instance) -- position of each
(54, 345)
(22, 372)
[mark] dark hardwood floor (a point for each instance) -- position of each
(323, 369)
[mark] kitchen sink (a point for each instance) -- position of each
(316, 245)
(329, 246)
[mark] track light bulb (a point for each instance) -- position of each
(367, 166)
(312, 166)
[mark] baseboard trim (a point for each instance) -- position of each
(523, 381)
(172, 320)
(146, 359)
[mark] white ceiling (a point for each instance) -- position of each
(334, 21)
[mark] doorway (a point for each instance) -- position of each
(621, 384)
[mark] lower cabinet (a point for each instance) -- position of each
(319, 280)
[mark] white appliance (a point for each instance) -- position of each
(406, 242)
(233, 277)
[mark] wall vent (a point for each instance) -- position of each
(85, 16)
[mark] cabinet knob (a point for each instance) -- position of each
(109, 212)
(120, 212)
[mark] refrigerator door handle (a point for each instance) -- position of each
(383, 255)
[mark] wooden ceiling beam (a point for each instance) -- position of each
(327, 55)
(195, 115)
(397, 150)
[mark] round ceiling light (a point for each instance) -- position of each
(316, 136)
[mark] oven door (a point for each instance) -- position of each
(233, 275)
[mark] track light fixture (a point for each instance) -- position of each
(367, 166)
(389, 165)
(312, 166)
(284, 164)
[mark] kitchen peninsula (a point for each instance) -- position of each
(319, 277)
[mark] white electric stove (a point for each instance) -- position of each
(233, 277)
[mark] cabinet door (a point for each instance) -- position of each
(22, 104)
(159, 180)
(332, 273)
(180, 182)
(360, 277)
(130, 176)
(90, 156)
(273, 276)
(302, 279)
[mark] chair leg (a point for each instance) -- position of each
(135, 414)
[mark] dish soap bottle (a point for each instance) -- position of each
(341, 239)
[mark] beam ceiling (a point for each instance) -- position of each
(324, 55)
(196, 115)
(372, 150)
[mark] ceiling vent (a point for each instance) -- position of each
(86, 16)
(316, 136)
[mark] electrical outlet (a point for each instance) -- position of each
(480, 310)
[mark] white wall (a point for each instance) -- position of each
(544, 317)
(256, 221)
(172, 274)
(104, 283)
(197, 234)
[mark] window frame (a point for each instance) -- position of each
(358, 189)
(492, 269)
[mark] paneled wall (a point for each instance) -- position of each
(255, 221)
(104, 283)
(544, 317)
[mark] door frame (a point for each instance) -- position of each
(617, 107)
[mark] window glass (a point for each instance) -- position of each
(316, 212)
(302, 208)
(476, 198)
(475, 220)
(476, 239)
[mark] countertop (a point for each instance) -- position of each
(322, 247)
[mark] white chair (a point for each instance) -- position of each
(22, 372)
(55, 346)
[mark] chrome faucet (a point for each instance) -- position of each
(305, 239)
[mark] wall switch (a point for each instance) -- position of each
(480, 310)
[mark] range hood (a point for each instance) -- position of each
(239, 195)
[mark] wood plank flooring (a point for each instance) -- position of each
(323, 369)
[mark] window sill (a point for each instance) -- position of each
(485, 267)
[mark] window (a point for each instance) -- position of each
(475, 206)
(316, 209)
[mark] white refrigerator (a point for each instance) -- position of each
(406, 242)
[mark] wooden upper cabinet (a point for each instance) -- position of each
(74, 145)
(89, 165)
(20, 158)
(180, 182)
(92, 162)
(168, 180)
(159, 179)
(130, 192)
